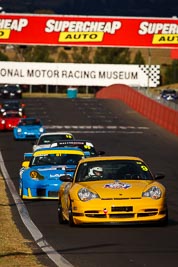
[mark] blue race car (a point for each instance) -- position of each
(40, 173)
(28, 129)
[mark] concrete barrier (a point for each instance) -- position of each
(153, 110)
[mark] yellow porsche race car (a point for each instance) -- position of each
(112, 189)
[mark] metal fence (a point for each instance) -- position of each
(173, 104)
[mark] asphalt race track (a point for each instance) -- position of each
(115, 128)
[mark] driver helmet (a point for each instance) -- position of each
(96, 171)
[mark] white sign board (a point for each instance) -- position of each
(73, 74)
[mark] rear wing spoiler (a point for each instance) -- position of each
(28, 155)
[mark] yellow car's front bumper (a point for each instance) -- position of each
(119, 211)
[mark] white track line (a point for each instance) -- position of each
(34, 231)
(99, 129)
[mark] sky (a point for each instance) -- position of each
(136, 8)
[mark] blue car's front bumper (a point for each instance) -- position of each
(39, 189)
(47, 187)
(26, 135)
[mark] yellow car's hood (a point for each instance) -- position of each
(115, 189)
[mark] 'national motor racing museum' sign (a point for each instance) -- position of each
(63, 30)
(73, 74)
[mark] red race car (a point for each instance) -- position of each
(10, 119)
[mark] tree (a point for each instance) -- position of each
(81, 54)
(3, 57)
(138, 59)
(63, 57)
(37, 54)
(171, 73)
(108, 55)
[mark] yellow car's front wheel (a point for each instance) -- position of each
(71, 220)
(60, 215)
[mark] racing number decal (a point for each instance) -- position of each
(68, 136)
(144, 168)
(87, 147)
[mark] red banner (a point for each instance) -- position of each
(60, 30)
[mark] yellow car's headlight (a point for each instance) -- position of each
(153, 192)
(85, 195)
(36, 176)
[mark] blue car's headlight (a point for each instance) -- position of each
(41, 130)
(153, 192)
(85, 195)
(19, 130)
(36, 176)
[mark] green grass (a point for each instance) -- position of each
(15, 250)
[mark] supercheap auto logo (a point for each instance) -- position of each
(81, 31)
(8, 25)
(163, 33)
